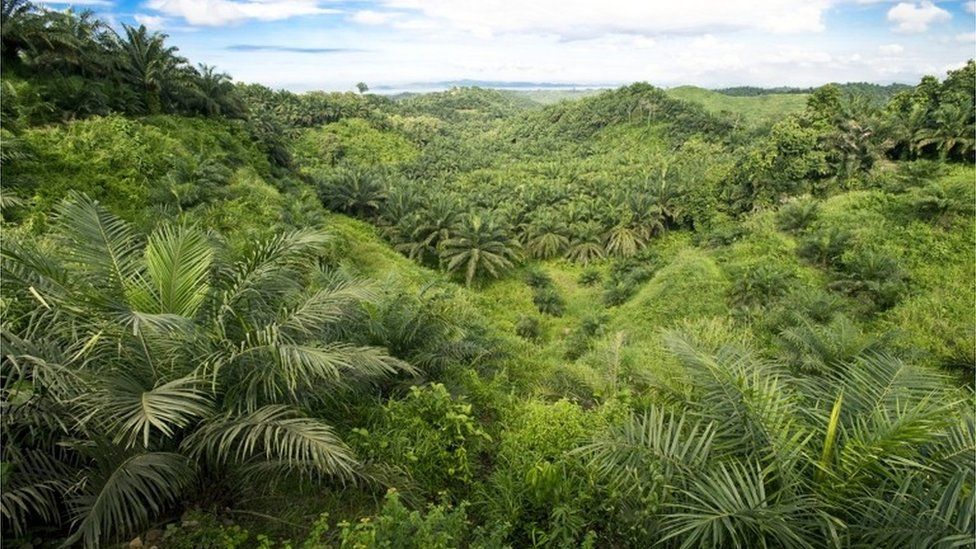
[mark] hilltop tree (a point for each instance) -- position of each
(150, 65)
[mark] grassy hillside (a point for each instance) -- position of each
(751, 110)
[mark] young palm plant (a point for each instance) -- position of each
(135, 364)
(876, 452)
(624, 239)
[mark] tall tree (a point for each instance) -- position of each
(150, 65)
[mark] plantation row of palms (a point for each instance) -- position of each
(87, 68)
(435, 229)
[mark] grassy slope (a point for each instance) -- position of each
(757, 110)
(693, 285)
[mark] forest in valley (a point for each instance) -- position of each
(234, 316)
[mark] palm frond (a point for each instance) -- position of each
(33, 482)
(326, 306)
(735, 505)
(277, 434)
(656, 445)
(272, 366)
(918, 512)
(125, 495)
(178, 263)
(269, 271)
(97, 242)
(136, 412)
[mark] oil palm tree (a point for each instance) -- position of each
(953, 131)
(624, 239)
(546, 236)
(586, 243)
(21, 28)
(903, 129)
(136, 363)
(479, 248)
(644, 214)
(149, 65)
(215, 92)
(353, 190)
(428, 228)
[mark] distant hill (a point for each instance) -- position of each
(878, 92)
(443, 85)
(753, 109)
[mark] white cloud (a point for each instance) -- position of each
(222, 12)
(970, 6)
(371, 17)
(579, 19)
(911, 17)
(152, 22)
(707, 43)
(966, 37)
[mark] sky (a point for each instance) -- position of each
(396, 44)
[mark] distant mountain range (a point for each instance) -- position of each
(882, 91)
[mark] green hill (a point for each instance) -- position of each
(751, 110)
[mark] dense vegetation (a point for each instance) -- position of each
(238, 317)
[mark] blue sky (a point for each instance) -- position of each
(322, 44)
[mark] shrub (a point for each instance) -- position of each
(692, 286)
(528, 327)
(797, 215)
(351, 140)
(199, 529)
(581, 339)
(431, 435)
(538, 487)
(721, 230)
(440, 526)
(537, 278)
(626, 277)
(548, 301)
(590, 276)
